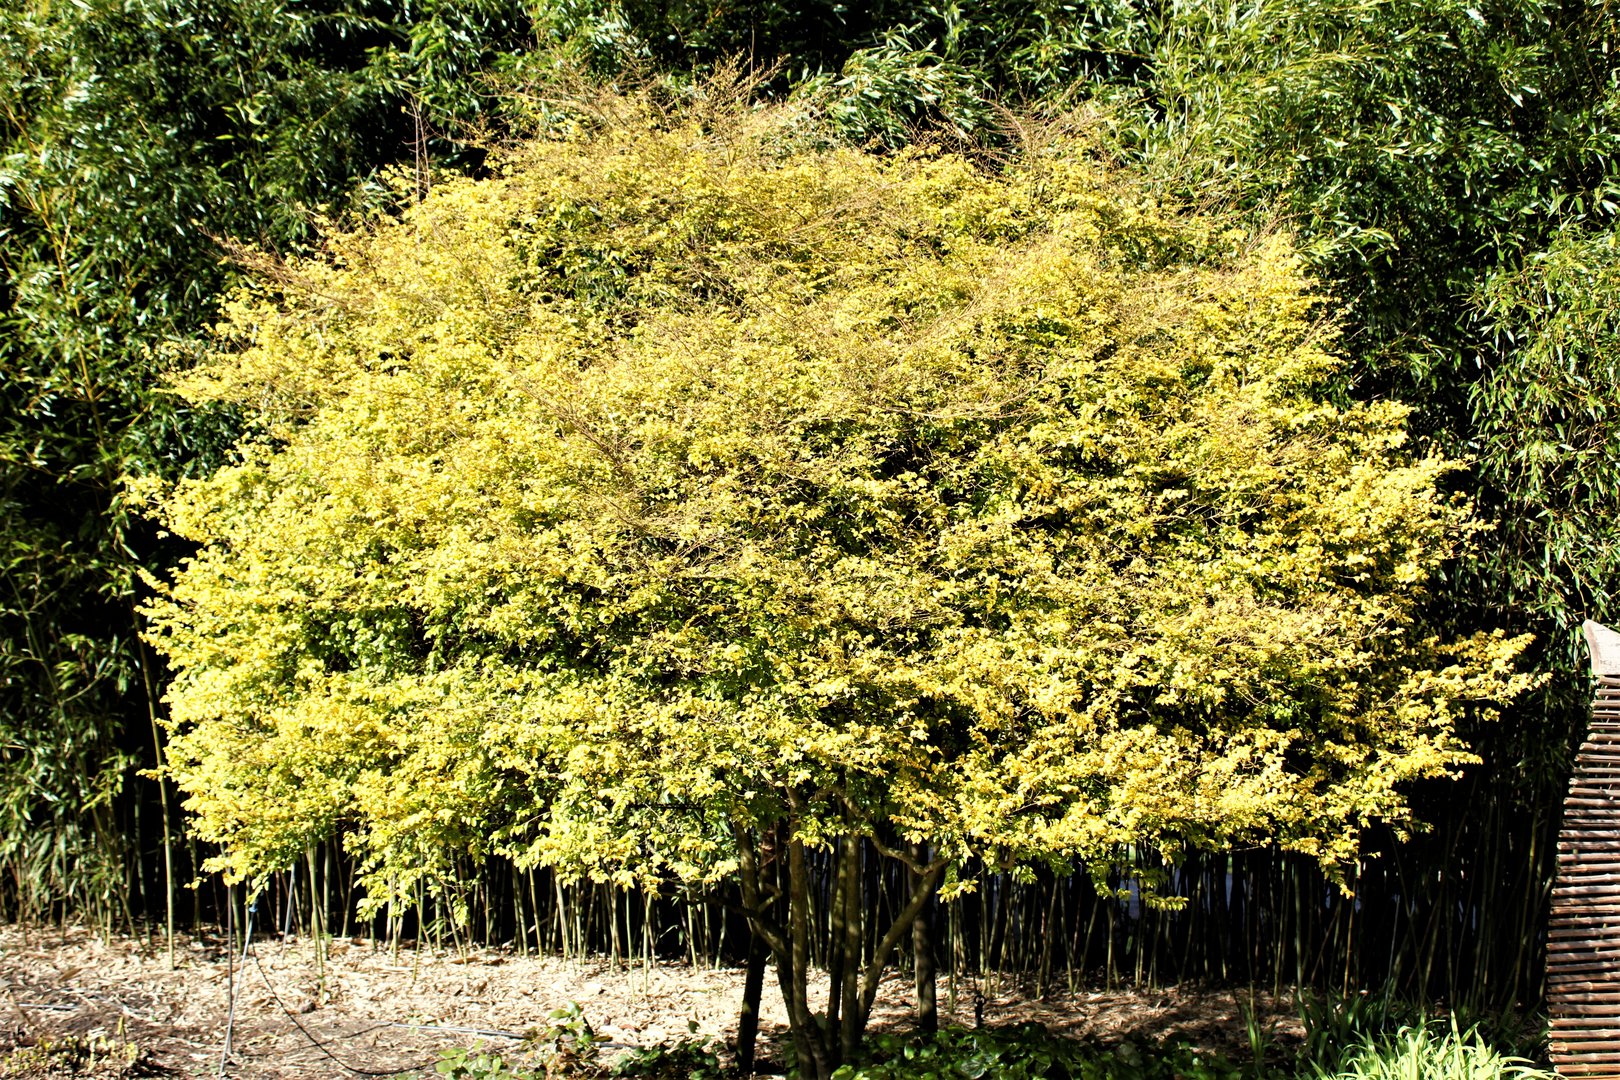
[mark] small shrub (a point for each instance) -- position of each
(1335, 1025)
(75, 1055)
(567, 1048)
(462, 1063)
(689, 1059)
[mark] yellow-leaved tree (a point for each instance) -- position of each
(687, 497)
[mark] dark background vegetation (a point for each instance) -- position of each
(1450, 167)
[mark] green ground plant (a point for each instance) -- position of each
(1334, 1050)
(1030, 1052)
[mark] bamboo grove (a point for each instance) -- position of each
(1468, 236)
(1255, 920)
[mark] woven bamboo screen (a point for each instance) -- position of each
(1583, 939)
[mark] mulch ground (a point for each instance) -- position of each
(73, 1004)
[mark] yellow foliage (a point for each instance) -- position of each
(591, 509)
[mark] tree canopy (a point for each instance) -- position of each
(688, 488)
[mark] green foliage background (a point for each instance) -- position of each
(134, 134)
(1450, 167)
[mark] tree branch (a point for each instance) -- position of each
(928, 880)
(903, 857)
(773, 934)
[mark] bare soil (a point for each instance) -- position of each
(72, 1004)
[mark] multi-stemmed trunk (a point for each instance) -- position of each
(776, 894)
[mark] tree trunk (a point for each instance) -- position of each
(837, 955)
(924, 968)
(753, 989)
(847, 987)
(811, 1042)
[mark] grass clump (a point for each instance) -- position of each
(1424, 1052)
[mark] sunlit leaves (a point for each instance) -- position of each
(674, 472)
